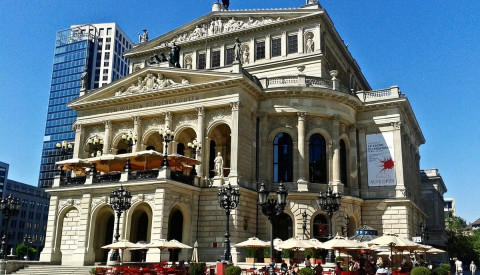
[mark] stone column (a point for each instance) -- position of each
(300, 40)
(79, 139)
(108, 133)
(284, 44)
(201, 138)
(51, 252)
(398, 161)
(336, 183)
(137, 126)
(234, 144)
(301, 182)
(208, 56)
(169, 124)
(82, 254)
(262, 147)
(362, 146)
(352, 161)
(317, 39)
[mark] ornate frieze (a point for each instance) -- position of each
(95, 130)
(219, 114)
(189, 118)
(220, 25)
(151, 83)
(122, 127)
(282, 121)
(153, 123)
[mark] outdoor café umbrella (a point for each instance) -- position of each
(122, 245)
(141, 246)
(145, 160)
(76, 165)
(253, 243)
(296, 244)
(160, 244)
(108, 163)
(179, 162)
(389, 240)
(341, 244)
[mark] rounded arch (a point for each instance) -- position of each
(277, 131)
(134, 215)
(118, 145)
(179, 227)
(221, 137)
(320, 131)
(68, 217)
(185, 134)
(283, 226)
(88, 148)
(216, 123)
(101, 233)
(317, 159)
(152, 139)
(352, 224)
(283, 158)
(320, 226)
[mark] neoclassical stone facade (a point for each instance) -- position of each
(295, 109)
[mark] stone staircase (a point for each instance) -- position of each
(54, 270)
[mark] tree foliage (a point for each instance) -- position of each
(462, 243)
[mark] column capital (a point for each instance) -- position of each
(302, 115)
(168, 115)
(235, 105)
(397, 125)
(136, 119)
(107, 123)
(76, 127)
(200, 110)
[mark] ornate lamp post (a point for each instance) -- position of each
(424, 234)
(228, 198)
(95, 142)
(329, 202)
(65, 147)
(10, 207)
(272, 208)
(167, 135)
(130, 140)
(120, 200)
(194, 146)
(304, 217)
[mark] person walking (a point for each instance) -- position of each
(473, 268)
(458, 267)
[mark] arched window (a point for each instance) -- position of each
(181, 149)
(282, 158)
(317, 151)
(150, 148)
(320, 228)
(343, 163)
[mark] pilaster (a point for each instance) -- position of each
(352, 161)
(397, 145)
(82, 254)
(336, 183)
(200, 138)
(79, 139)
(108, 134)
(300, 40)
(137, 125)
(234, 144)
(51, 252)
(301, 182)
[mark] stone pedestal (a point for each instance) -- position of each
(217, 181)
(164, 173)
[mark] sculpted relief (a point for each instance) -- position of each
(151, 83)
(219, 26)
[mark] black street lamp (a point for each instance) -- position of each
(424, 234)
(96, 143)
(10, 207)
(65, 147)
(130, 140)
(194, 146)
(329, 202)
(272, 208)
(347, 225)
(120, 200)
(167, 136)
(228, 198)
(304, 217)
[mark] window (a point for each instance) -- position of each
(317, 151)
(283, 225)
(230, 56)
(260, 50)
(109, 31)
(343, 163)
(293, 43)
(105, 78)
(201, 61)
(282, 158)
(215, 59)
(320, 228)
(108, 39)
(107, 47)
(106, 64)
(181, 149)
(107, 56)
(276, 47)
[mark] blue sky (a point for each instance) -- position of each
(431, 49)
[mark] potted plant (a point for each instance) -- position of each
(420, 270)
(266, 255)
(196, 268)
(249, 255)
(345, 270)
(233, 270)
(340, 259)
(287, 255)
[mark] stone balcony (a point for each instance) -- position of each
(379, 95)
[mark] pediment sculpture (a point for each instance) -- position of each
(219, 25)
(151, 83)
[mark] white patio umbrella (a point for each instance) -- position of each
(253, 243)
(122, 245)
(160, 244)
(296, 244)
(391, 241)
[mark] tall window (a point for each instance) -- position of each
(215, 59)
(343, 163)
(276, 47)
(230, 56)
(282, 158)
(181, 149)
(201, 61)
(282, 227)
(317, 151)
(293, 43)
(260, 49)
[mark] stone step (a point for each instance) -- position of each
(54, 270)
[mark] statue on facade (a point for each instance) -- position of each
(309, 45)
(84, 80)
(226, 3)
(237, 49)
(143, 37)
(218, 165)
(175, 56)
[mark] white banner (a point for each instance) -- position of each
(380, 159)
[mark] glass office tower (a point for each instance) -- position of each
(97, 48)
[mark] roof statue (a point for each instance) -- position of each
(226, 3)
(143, 37)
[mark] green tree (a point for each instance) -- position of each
(462, 243)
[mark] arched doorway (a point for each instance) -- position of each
(220, 135)
(69, 233)
(103, 233)
(175, 231)
(140, 230)
(320, 228)
(282, 227)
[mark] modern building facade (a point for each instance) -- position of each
(96, 48)
(3, 177)
(284, 103)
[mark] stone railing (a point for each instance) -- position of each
(143, 175)
(69, 181)
(376, 95)
(303, 81)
